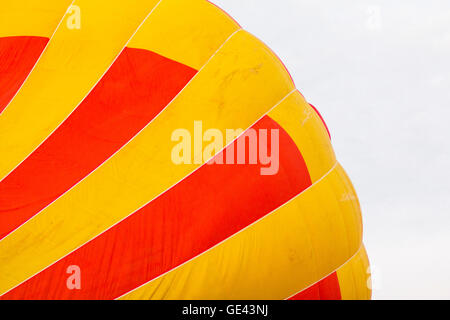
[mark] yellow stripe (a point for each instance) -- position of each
(31, 17)
(354, 278)
(289, 249)
(186, 31)
(306, 128)
(74, 61)
(240, 84)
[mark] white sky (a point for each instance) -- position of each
(379, 72)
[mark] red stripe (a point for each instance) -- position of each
(18, 55)
(207, 207)
(326, 289)
(136, 88)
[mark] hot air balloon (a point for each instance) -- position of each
(93, 204)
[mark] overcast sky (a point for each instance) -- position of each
(379, 72)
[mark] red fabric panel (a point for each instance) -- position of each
(326, 289)
(135, 89)
(202, 210)
(18, 55)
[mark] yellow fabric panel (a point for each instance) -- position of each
(72, 64)
(354, 278)
(307, 130)
(187, 31)
(291, 248)
(238, 86)
(31, 17)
